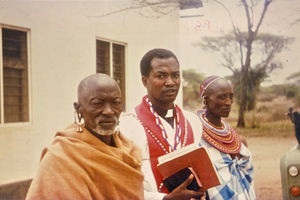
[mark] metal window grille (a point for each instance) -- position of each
(14, 76)
(111, 60)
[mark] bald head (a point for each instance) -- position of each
(99, 103)
(218, 98)
(216, 86)
(88, 84)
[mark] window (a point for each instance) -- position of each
(14, 98)
(111, 60)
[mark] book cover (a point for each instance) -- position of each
(191, 157)
(179, 177)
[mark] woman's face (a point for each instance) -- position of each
(219, 98)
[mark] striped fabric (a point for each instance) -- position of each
(236, 175)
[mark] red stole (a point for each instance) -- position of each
(156, 143)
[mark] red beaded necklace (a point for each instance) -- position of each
(223, 138)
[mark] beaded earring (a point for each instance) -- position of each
(78, 120)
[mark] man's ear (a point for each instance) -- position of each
(145, 81)
(205, 100)
(76, 106)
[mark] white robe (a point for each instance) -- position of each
(132, 128)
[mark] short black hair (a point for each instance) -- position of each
(145, 64)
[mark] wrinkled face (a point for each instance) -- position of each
(100, 106)
(163, 82)
(219, 98)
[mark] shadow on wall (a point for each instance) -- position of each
(14, 191)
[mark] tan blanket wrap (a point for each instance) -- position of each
(80, 166)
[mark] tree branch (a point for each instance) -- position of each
(235, 29)
(232, 69)
(266, 5)
(240, 41)
(138, 4)
(249, 22)
(251, 9)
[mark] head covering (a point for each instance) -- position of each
(207, 82)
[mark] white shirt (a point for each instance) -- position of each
(132, 128)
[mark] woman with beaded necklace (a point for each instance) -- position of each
(231, 157)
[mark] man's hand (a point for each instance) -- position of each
(182, 193)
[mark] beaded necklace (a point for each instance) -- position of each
(163, 131)
(222, 138)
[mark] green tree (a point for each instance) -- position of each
(256, 77)
(249, 55)
(265, 49)
(191, 88)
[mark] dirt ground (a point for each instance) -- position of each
(267, 152)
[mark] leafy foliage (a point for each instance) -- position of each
(231, 48)
(191, 86)
(243, 42)
(290, 91)
(265, 48)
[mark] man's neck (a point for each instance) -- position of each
(161, 105)
(107, 139)
(160, 111)
(167, 114)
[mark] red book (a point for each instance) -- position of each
(194, 158)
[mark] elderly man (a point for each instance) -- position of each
(230, 156)
(91, 160)
(158, 125)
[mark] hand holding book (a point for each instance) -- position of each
(179, 177)
(182, 193)
(176, 166)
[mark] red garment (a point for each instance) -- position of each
(158, 146)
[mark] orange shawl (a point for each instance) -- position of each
(80, 166)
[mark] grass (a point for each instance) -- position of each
(268, 119)
(283, 128)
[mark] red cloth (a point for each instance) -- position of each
(155, 149)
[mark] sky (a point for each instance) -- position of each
(213, 20)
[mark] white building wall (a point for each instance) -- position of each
(63, 51)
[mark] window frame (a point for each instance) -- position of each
(28, 36)
(111, 43)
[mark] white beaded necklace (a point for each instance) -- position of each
(163, 131)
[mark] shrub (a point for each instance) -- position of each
(253, 119)
(291, 93)
(265, 97)
(269, 111)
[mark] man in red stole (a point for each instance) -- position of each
(158, 125)
(91, 160)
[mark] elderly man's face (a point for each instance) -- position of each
(100, 106)
(220, 98)
(163, 81)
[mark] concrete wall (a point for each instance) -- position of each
(63, 51)
(14, 191)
